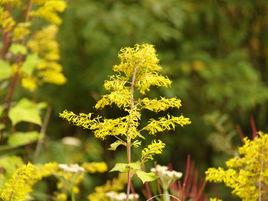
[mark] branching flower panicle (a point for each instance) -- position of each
(137, 72)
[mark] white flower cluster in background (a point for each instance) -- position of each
(166, 176)
(73, 168)
(71, 141)
(114, 196)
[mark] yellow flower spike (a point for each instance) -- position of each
(60, 197)
(45, 45)
(20, 185)
(246, 173)
(154, 148)
(21, 31)
(49, 10)
(29, 83)
(6, 21)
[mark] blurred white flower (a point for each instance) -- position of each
(74, 168)
(73, 141)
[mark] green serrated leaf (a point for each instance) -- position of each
(25, 110)
(114, 145)
(18, 49)
(30, 64)
(146, 177)
(5, 70)
(22, 138)
(120, 167)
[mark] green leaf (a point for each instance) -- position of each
(22, 138)
(120, 167)
(135, 165)
(114, 145)
(146, 177)
(30, 64)
(5, 70)
(124, 167)
(18, 49)
(25, 110)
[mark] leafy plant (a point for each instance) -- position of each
(138, 71)
(29, 57)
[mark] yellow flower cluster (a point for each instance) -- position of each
(166, 123)
(115, 185)
(105, 127)
(154, 148)
(44, 44)
(21, 31)
(39, 44)
(12, 2)
(137, 72)
(20, 184)
(141, 56)
(141, 60)
(18, 187)
(214, 199)
(160, 105)
(247, 174)
(115, 83)
(6, 21)
(120, 97)
(49, 10)
(94, 167)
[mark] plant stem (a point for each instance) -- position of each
(73, 196)
(166, 195)
(132, 106)
(42, 134)
(129, 173)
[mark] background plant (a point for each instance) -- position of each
(246, 173)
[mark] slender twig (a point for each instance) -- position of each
(253, 127)
(42, 133)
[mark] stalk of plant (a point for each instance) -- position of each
(137, 73)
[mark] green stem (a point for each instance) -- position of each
(132, 106)
(166, 196)
(73, 196)
(129, 173)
